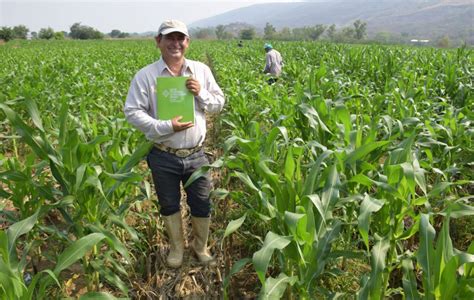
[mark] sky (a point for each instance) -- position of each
(105, 15)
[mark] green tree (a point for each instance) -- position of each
(308, 33)
(383, 37)
(443, 42)
(220, 32)
(247, 34)
(59, 35)
(20, 32)
(285, 33)
(123, 35)
(6, 33)
(316, 31)
(75, 31)
(269, 31)
(46, 33)
(83, 32)
(115, 33)
(300, 33)
(360, 28)
(203, 33)
(331, 32)
(346, 34)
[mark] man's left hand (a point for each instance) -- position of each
(193, 86)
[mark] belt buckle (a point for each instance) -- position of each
(161, 147)
(183, 153)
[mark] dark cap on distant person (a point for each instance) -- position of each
(170, 26)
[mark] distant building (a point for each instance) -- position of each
(419, 42)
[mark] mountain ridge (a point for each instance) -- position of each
(429, 19)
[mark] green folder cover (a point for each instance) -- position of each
(174, 99)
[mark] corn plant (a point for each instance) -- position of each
(358, 153)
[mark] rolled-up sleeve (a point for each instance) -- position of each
(139, 111)
(211, 98)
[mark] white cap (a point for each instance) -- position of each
(170, 26)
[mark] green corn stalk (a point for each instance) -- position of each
(441, 263)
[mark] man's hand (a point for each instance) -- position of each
(193, 86)
(178, 126)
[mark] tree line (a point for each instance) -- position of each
(355, 33)
(77, 31)
(247, 32)
(221, 32)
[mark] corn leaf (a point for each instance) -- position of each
(274, 288)
(369, 205)
(234, 225)
(76, 251)
(426, 254)
(409, 280)
(374, 287)
(18, 229)
(262, 257)
(236, 267)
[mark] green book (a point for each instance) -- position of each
(174, 99)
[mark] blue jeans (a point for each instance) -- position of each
(169, 171)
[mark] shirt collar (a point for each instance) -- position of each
(162, 66)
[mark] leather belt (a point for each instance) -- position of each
(183, 152)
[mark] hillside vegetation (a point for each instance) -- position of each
(415, 19)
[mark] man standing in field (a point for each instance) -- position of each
(178, 150)
(274, 63)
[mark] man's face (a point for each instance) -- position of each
(173, 45)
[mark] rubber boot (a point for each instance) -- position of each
(199, 244)
(174, 228)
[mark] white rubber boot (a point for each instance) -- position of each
(174, 228)
(199, 244)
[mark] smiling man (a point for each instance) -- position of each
(178, 150)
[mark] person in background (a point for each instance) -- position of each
(273, 63)
(178, 146)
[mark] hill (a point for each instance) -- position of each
(415, 18)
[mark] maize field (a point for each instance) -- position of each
(351, 177)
